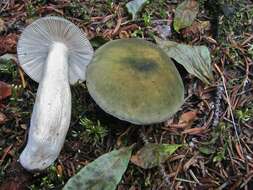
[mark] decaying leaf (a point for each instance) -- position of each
(8, 57)
(2, 25)
(195, 59)
(133, 7)
(5, 90)
(197, 28)
(2, 118)
(187, 118)
(152, 155)
(185, 14)
(8, 43)
(103, 173)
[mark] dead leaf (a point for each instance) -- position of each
(103, 173)
(195, 59)
(197, 28)
(185, 14)
(3, 118)
(195, 131)
(59, 170)
(8, 57)
(151, 155)
(5, 90)
(188, 117)
(133, 7)
(8, 43)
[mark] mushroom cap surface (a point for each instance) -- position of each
(135, 81)
(37, 39)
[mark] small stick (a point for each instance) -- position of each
(217, 105)
(229, 107)
(166, 177)
(22, 77)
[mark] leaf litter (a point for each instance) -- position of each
(188, 167)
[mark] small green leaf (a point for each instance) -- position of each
(133, 7)
(185, 14)
(152, 155)
(206, 150)
(103, 173)
(195, 59)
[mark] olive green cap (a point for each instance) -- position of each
(135, 81)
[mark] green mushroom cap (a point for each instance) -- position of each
(135, 81)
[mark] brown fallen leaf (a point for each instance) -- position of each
(195, 131)
(187, 118)
(197, 28)
(8, 43)
(5, 90)
(185, 121)
(59, 170)
(3, 118)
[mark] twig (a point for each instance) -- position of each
(185, 180)
(194, 177)
(22, 78)
(217, 105)
(6, 151)
(229, 107)
(143, 136)
(166, 177)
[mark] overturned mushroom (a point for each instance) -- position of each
(134, 80)
(55, 53)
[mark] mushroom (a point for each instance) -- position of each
(55, 53)
(135, 81)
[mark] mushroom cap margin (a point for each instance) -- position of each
(37, 38)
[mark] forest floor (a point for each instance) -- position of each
(217, 119)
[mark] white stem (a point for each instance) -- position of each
(51, 112)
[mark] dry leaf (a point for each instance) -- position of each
(3, 118)
(5, 90)
(8, 43)
(197, 28)
(133, 7)
(195, 59)
(195, 131)
(185, 14)
(187, 118)
(152, 155)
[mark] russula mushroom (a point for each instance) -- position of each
(135, 81)
(55, 53)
